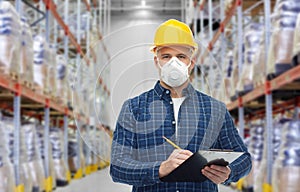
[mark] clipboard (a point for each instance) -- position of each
(190, 170)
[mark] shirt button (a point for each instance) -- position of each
(173, 122)
(171, 102)
(167, 92)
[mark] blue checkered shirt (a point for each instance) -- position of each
(138, 147)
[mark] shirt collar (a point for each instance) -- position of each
(163, 92)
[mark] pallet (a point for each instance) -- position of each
(41, 91)
(6, 71)
(259, 83)
(14, 76)
(27, 84)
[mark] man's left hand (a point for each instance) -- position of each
(217, 174)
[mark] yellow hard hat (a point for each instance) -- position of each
(173, 32)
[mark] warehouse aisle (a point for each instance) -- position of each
(98, 181)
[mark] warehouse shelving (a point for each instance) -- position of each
(28, 102)
(221, 29)
(271, 96)
(280, 82)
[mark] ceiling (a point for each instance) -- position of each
(174, 5)
(148, 4)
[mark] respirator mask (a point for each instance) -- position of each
(175, 72)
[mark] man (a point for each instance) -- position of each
(174, 109)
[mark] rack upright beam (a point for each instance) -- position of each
(240, 64)
(269, 124)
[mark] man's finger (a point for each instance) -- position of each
(220, 168)
(214, 178)
(186, 152)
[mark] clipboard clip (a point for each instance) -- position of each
(221, 150)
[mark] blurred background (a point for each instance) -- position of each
(66, 67)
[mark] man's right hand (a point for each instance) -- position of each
(177, 157)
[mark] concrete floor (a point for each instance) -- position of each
(97, 181)
(101, 181)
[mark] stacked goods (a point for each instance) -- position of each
(61, 79)
(104, 147)
(35, 162)
(52, 71)
(253, 33)
(87, 149)
(60, 167)
(24, 171)
(26, 54)
(75, 153)
(227, 76)
(72, 95)
(296, 48)
(6, 168)
(10, 39)
(235, 74)
(40, 136)
(287, 165)
(260, 67)
(41, 64)
(256, 145)
(281, 47)
(95, 145)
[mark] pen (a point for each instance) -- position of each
(171, 142)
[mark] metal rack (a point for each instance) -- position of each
(24, 94)
(245, 106)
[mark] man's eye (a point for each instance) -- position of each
(166, 57)
(181, 57)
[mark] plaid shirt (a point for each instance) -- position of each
(138, 147)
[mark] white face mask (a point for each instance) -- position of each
(174, 73)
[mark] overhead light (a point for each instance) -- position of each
(143, 3)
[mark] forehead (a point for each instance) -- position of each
(174, 49)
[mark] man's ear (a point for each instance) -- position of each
(193, 61)
(156, 61)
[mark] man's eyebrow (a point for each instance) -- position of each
(181, 54)
(163, 54)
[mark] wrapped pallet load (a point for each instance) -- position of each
(253, 33)
(51, 174)
(52, 71)
(261, 176)
(41, 64)
(72, 154)
(10, 39)
(7, 176)
(227, 76)
(26, 54)
(281, 47)
(25, 178)
(60, 167)
(86, 137)
(287, 165)
(76, 158)
(61, 79)
(235, 75)
(296, 48)
(35, 162)
(256, 145)
(259, 71)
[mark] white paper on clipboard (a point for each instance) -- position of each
(228, 156)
